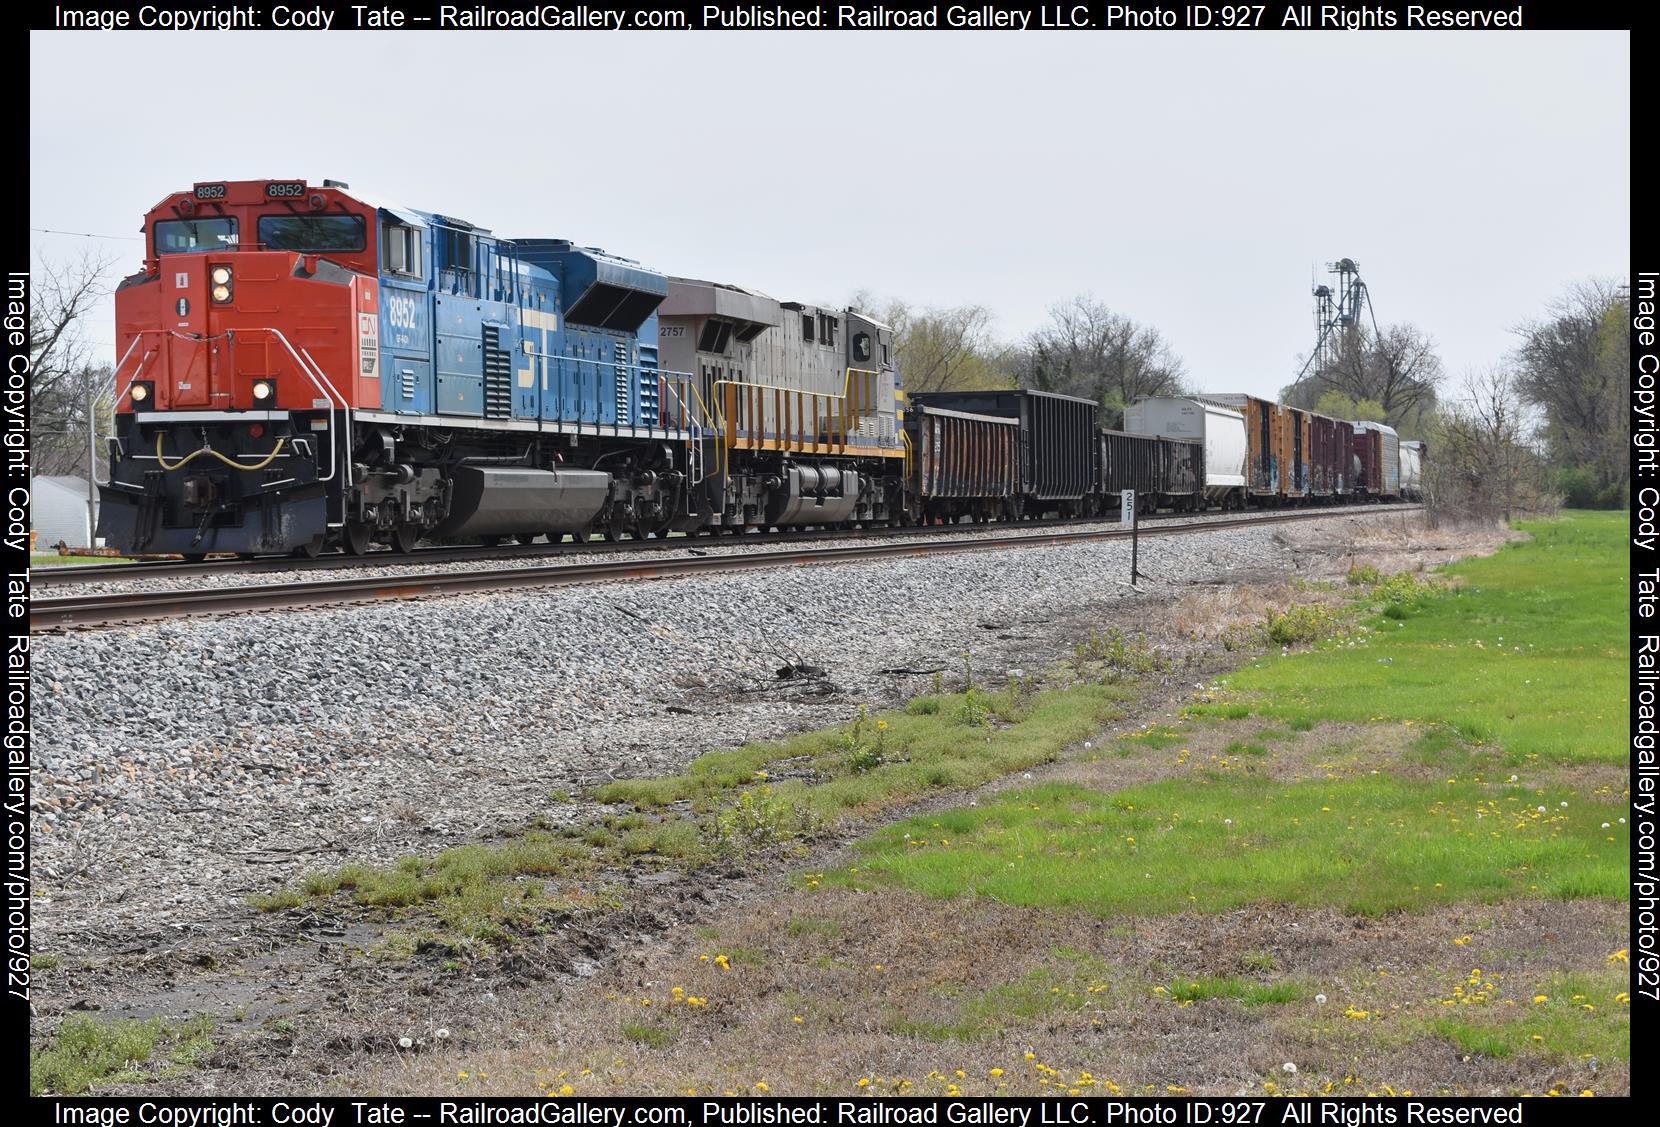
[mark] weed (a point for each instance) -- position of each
(974, 711)
(1310, 622)
(653, 1036)
(87, 1050)
(759, 818)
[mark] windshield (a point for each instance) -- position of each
(187, 236)
(311, 233)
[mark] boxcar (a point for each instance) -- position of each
(1324, 461)
(1219, 433)
(1057, 446)
(1378, 455)
(1297, 438)
(1267, 440)
(1345, 458)
(961, 464)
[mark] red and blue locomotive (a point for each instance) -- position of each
(301, 366)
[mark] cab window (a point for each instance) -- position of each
(311, 233)
(400, 250)
(861, 346)
(188, 236)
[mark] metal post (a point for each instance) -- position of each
(1135, 543)
(91, 461)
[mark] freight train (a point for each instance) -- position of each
(304, 367)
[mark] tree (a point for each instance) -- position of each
(939, 349)
(1090, 351)
(1396, 368)
(1575, 365)
(66, 379)
(1482, 460)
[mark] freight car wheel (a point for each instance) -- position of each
(526, 537)
(405, 537)
(355, 537)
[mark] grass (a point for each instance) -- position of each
(52, 559)
(1240, 990)
(1561, 1026)
(987, 1013)
(88, 1050)
(1529, 652)
(1368, 846)
(725, 804)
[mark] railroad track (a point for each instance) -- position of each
(52, 576)
(87, 611)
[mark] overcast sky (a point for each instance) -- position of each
(1188, 180)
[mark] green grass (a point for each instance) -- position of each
(1241, 990)
(1369, 845)
(925, 751)
(1559, 1027)
(52, 559)
(652, 1036)
(1033, 995)
(88, 1050)
(1553, 687)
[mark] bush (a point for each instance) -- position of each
(1302, 624)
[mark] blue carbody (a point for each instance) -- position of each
(486, 331)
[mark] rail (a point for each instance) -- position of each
(80, 611)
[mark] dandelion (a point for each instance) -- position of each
(1288, 1067)
(405, 1043)
(441, 1034)
(1320, 999)
(761, 1086)
(881, 725)
(864, 1081)
(1030, 1055)
(996, 1072)
(723, 962)
(567, 1090)
(797, 1018)
(1622, 955)
(1540, 999)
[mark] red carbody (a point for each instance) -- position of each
(284, 309)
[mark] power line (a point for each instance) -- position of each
(85, 235)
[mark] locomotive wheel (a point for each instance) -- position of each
(405, 537)
(526, 537)
(355, 537)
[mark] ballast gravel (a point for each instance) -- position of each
(181, 766)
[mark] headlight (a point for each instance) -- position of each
(221, 294)
(263, 389)
(221, 275)
(141, 393)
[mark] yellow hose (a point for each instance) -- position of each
(231, 462)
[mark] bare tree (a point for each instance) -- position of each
(1575, 365)
(1396, 368)
(1090, 351)
(1483, 460)
(66, 379)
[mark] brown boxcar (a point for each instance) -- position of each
(1325, 464)
(1294, 452)
(1347, 482)
(1267, 434)
(961, 464)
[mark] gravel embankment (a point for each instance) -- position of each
(671, 548)
(181, 766)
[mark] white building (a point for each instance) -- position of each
(57, 511)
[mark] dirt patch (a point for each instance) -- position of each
(824, 989)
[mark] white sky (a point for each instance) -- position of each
(1189, 180)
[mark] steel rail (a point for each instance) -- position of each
(79, 612)
(54, 575)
